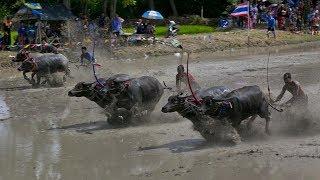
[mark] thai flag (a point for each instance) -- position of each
(241, 10)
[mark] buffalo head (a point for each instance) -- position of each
(175, 103)
(21, 56)
(27, 66)
(81, 89)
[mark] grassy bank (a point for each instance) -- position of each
(219, 41)
(184, 29)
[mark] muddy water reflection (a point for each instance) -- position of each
(4, 110)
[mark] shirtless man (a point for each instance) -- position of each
(298, 96)
(182, 77)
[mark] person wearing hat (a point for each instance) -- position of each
(298, 96)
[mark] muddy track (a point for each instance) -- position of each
(52, 136)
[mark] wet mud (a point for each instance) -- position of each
(44, 134)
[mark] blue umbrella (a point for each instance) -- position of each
(152, 15)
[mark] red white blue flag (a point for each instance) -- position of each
(241, 10)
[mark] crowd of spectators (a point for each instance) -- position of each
(290, 15)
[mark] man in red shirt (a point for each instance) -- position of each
(182, 77)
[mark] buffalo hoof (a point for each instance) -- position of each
(268, 132)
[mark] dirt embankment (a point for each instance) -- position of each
(218, 41)
(214, 42)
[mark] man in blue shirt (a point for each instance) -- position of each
(86, 55)
(271, 25)
(116, 25)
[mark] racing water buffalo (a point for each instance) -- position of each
(211, 130)
(238, 105)
(41, 65)
(123, 97)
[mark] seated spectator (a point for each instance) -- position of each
(149, 29)
(140, 28)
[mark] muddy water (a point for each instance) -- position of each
(51, 136)
(4, 110)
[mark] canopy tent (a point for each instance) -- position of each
(45, 12)
(39, 12)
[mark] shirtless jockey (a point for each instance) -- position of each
(298, 96)
(182, 77)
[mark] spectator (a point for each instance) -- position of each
(150, 29)
(102, 21)
(172, 29)
(86, 55)
(22, 33)
(315, 23)
(116, 25)
(254, 15)
(140, 29)
(1, 42)
(7, 24)
(85, 22)
(271, 25)
(282, 14)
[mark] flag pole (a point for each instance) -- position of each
(248, 22)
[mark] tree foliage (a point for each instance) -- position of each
(130, 8)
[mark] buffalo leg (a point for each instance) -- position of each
(26, 77)
(251, 119)
(267, 125)
(38, 79)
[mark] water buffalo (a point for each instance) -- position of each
(238, 105)
(122, 96)
(202, 123)
(42, 65)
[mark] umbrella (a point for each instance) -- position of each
(152, 15)
(33, 5)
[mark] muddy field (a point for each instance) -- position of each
(44, 134)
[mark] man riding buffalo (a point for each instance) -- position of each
(299, 98)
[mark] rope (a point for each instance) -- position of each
(269, 91)
(93, 66)
(193, 95)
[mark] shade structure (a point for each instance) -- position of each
(152, 15)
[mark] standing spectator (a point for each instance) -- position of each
(85, 55)
(85, 22)
(116, 25)
(22, 33)
(282, 14)
(254, 15)
(271, 25)
(102, 21)
(7, 24)
(315, 23)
